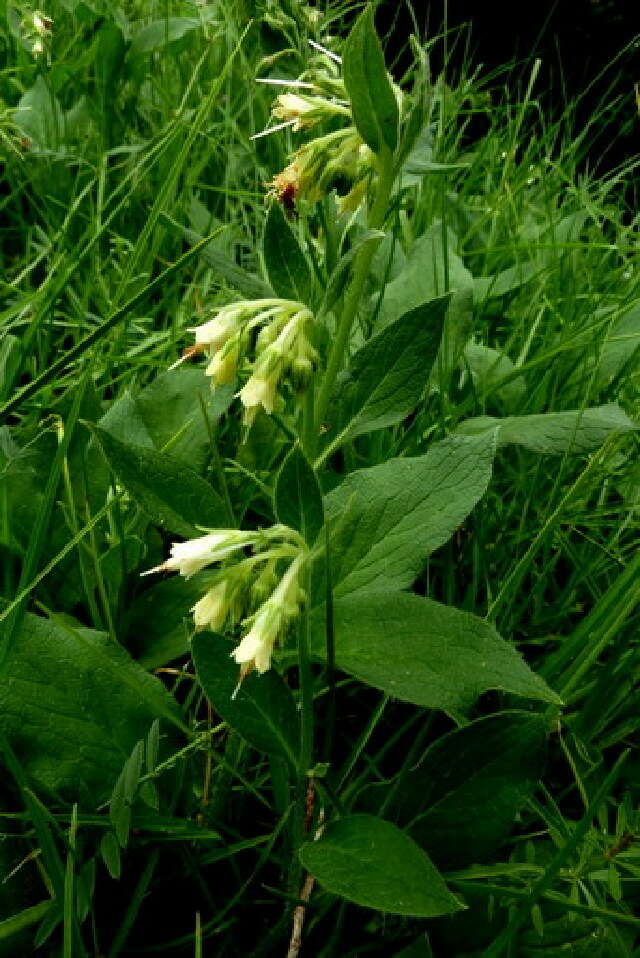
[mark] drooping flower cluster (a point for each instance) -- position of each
(37, 30)
(252, 591)
(282, 350)
(326, 162)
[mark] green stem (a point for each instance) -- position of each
(375, 220)
(306, 748)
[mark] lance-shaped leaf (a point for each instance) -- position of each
(554, 433)
(387, 519)
(298, 500)
(386, 378)
(339, 279)
(461, 800)
(287, 267)
(262, 710)
(171, 493)
(372, 863)
(373, 101)
(426, 653)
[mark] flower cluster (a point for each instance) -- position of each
(282, 348)
(249, 591)
(325, 162)
(37, 30)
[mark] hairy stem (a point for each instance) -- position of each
(361, 267)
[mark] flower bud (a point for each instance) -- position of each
(210, 612)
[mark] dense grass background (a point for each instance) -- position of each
(123, 145)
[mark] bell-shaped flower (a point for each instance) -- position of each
(270, 622)
(192, 556)
(211, 611)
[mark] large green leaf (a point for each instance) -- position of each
(171, 493)
(423, 652)
(433, 268)
(287, 267)
(387, 519)
(262, 710)
(341, 275)
(372, 863)
(373, 100)
(73, 704)
(621, 345)
(39, 116)
(461, 800)
(386, 378)
(172, 414)
(298, 500)
(554, 433)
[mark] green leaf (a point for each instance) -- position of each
(504, 283)
(74, 704)
(372, 863)
(158, 33)
(555, 433)
(621, 345)
(387, 377)
(420, 651)
(110, 852)
(386, 520)
(373, 100)
(286, 265)
(169, 415)
(433, 268)
(24, 919)
(488, 367)
(263, 711)
(40, 118)
(159, 622)
(342, 273)
(171, 493)
(298, 500)
(461, 800)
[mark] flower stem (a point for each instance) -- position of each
(361, 267)
(305, 759)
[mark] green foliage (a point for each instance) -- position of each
(171, 493)
(443, 658)
(373, 100)
(72, 703)
(262, 709)
(454, 673)
(286, 265)
(385, 380)
(385, 520)
(367, 860)
(298, 499)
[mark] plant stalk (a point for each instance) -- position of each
(375, 220)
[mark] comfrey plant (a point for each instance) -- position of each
(334, 568)
(309, 722)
